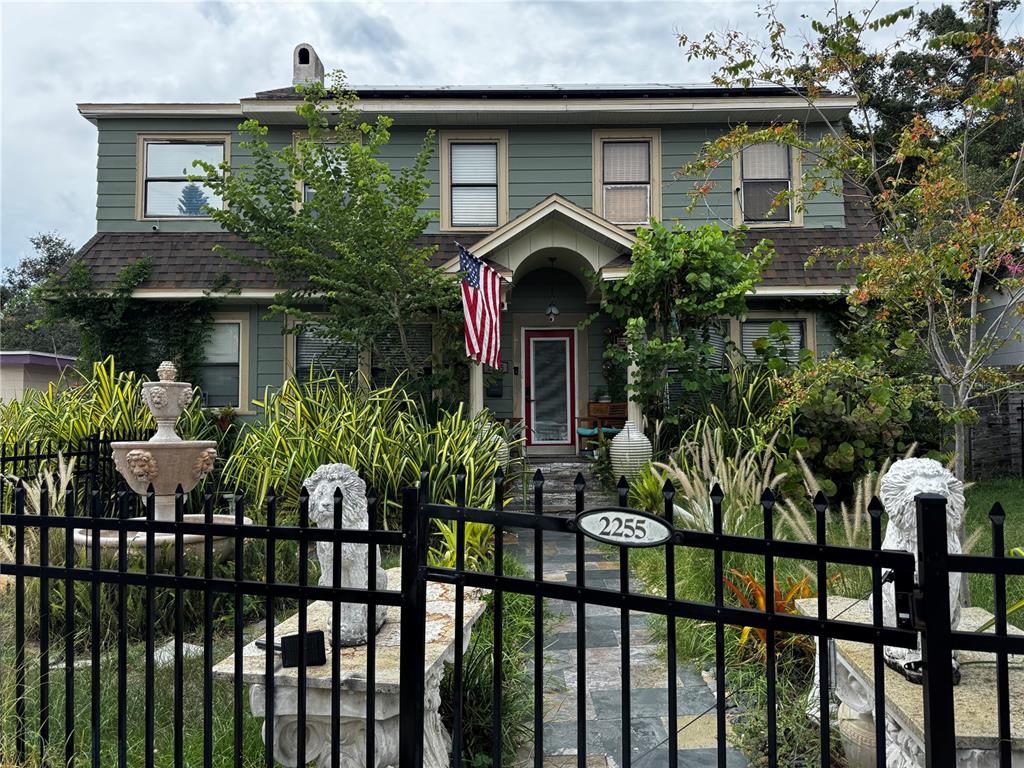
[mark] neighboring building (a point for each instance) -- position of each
(547, 183)
(23, 370)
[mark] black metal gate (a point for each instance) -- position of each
(922, 605)
(53, 721)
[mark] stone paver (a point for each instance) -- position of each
(696, 724)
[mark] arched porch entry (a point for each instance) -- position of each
(553, 359)
(551, 367)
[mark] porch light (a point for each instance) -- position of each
(552, 310)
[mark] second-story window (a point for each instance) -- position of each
(766, 172)
(167, 165)
(627, 181)
(474, 184)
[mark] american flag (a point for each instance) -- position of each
(481, 309)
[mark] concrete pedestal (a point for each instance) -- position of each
(974, 699)
(440, 648)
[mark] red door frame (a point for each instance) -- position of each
(555, 333)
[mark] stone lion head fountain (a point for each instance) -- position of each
(165, 461)
(904, 481)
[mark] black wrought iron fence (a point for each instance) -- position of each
(58, 719)
(91, 458)
(74, 737)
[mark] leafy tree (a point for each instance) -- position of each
(935, 72)
(340, 228)
(22, 309)
(951, 225)
(192, 200)
(679, 286)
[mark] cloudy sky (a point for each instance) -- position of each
(55, 55)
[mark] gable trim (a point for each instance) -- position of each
(549, 205)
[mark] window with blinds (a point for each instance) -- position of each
(626, 179)
(717, 340)
(388, 360)
(752, 330)
(474, 184)
(766, 171)
(317, 357)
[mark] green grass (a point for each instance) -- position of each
(980, 497)
(223, 719)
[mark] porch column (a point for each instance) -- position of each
(476, 388)
(633, 410)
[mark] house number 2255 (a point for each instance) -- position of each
(623, 527)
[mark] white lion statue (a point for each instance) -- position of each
(901, 484)
(355, 558)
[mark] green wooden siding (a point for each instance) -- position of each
(1011, 351)
(268, 364)
(542, 160)
(680, 145)
(116, 171)
(401, 152)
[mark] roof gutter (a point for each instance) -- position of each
(410, 106)
(92, 111)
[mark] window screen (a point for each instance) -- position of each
(168, 164)
(752, 330)
(219, 375)
(474, 184)
(627, 181)
(316, 356)
(766, 172)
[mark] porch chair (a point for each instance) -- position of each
(602, 420)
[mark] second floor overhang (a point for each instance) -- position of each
(524, 105)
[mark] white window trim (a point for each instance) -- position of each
(808, 317)
(601, 135)
(140, 168)
(796, 217)
(446, 139)
(242, 319)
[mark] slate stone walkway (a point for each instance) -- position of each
(603, 686)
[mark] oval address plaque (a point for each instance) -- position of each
(623, 527)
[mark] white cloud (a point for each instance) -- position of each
(57, 54)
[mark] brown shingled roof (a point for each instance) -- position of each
(795, 245)
(186, 260)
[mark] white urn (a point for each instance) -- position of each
(630, 451)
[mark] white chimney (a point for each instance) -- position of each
(306, 65)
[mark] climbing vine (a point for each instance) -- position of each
(138, 333)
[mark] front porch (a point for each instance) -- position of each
(552, 359)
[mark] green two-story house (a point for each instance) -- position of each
(547, 183)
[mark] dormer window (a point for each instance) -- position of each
(165, 190)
